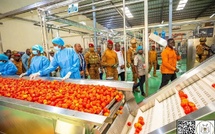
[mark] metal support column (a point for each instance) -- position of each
(1, 45)
(124, 38)
(170, 18)
(57, 32)
(44, 31)
(94, 25)
(146, 44)
(84, 44)
(41, 24)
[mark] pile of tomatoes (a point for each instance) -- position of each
(187, 105)
(138, 125)
(85, 98)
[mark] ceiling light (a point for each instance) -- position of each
(181, 5)
(212, 15)
(127, 12)
(83, 23)
(162, 21)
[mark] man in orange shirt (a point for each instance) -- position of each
(153, 60)
(169, 61)
(110, 61)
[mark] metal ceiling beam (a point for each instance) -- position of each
(161, 12)
(61, 4)
(82, 6)
(174, 24)
(139, 9)
(127, 22)
(73, 23)
(206, 8)
(98, 9)
(29, 8)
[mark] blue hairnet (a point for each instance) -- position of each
(3, 57)
(139, 48)
(38, 47)
(58, 41)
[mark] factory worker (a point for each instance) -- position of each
(38, 62)
(65, 58)
(6, 66)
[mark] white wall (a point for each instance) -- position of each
(19, 35)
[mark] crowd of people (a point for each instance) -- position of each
(72, 63)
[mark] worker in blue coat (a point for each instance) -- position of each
(38, 62)
(6, 66)
(65, 58)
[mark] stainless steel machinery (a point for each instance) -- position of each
(160, 111)
(23, 117)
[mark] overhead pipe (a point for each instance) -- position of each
(165, 25)
(98, 9)
(95, 3)
(72, 23)
(61, 4)
(29, 8)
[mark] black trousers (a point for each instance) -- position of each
(122, 76)
(100, 75)
(140, 83)
(166, 78)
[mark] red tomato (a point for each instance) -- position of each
(87, 98)
(187, 110)
(129, 124)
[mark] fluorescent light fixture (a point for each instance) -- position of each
(212, 15)
(83, 23)
(162, 21)
(127, 12)
(181, 5)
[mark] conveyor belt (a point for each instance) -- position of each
(165, 108)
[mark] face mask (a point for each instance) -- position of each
(1, 63)
(57, 48)
(34, 52)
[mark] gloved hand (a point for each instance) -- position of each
(33, 76)
(67, 76)
(21, 75)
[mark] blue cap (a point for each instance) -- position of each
(139, 48)
(38, 47)
(58, 41)
(3, 57)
